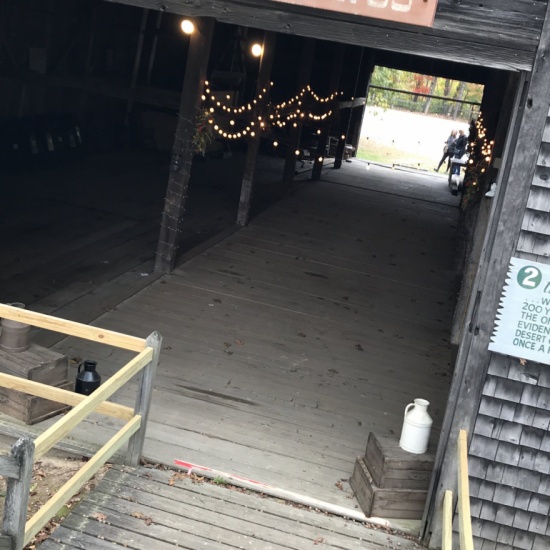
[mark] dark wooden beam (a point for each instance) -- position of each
(306, 64)
(264, 76)
(500, 244)
(335, 71)
(500, 103)
(353, 119)
(459, 33)
(182, 151)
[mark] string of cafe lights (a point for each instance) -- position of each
(486, 147)
(287, 112)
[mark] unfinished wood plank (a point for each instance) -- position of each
(447, 540)
(464, 517)
(69, 489)
(61, 395)
(71, 328)
(51, 436)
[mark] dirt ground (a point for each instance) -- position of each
(49, 475)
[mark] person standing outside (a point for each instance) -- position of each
(448, 151)
(460, 146)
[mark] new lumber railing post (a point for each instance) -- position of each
(464, 515)
(17, 493)
(143, 401)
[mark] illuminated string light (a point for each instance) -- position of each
(277, 115)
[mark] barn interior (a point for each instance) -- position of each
(281, 387)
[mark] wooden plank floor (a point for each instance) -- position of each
(152, 509)
(284, 344)
(288, 342)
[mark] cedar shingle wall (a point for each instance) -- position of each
(509, 454)
(509, 458)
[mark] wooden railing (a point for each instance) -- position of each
(17, 468)
(464, 517)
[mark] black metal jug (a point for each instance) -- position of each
(87, 380)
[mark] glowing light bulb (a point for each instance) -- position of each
(256, 50)
(187, 26)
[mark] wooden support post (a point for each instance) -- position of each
(143, 401)
(358, 114)
(154, 48)
(137, 64)
(306, 63)
(351, 122)
(320, 153)
(182, 151)
(520, 161)
(17, 493)
(506, 107)
(264, 76)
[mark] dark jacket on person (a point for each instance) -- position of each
(460, 145)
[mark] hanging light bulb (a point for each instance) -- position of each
(187, 26)
(256, 50)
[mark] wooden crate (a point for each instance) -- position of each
(393, 468)
(385, 503)
(30, 409)
(37, 363)
(40, 365)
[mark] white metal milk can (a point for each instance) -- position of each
(416, 427)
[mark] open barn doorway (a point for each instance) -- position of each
(409, 118)
(285, 344)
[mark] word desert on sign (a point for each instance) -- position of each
(413, 12)
(522, 326)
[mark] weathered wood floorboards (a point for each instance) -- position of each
(152, 509)
(285, 344)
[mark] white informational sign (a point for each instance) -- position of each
(522, 325)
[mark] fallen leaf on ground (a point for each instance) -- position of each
(102, 518)
(319, 540)
(139, 515)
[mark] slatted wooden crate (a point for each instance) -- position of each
(38, 364)
(386, 503)
(392, 467)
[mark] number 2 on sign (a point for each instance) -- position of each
(529, 277)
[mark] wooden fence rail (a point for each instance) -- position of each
(17, 467)
(464, 516)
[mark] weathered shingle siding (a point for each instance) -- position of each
(510, 447)
(510, 458)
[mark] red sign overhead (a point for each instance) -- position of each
(413, 12)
